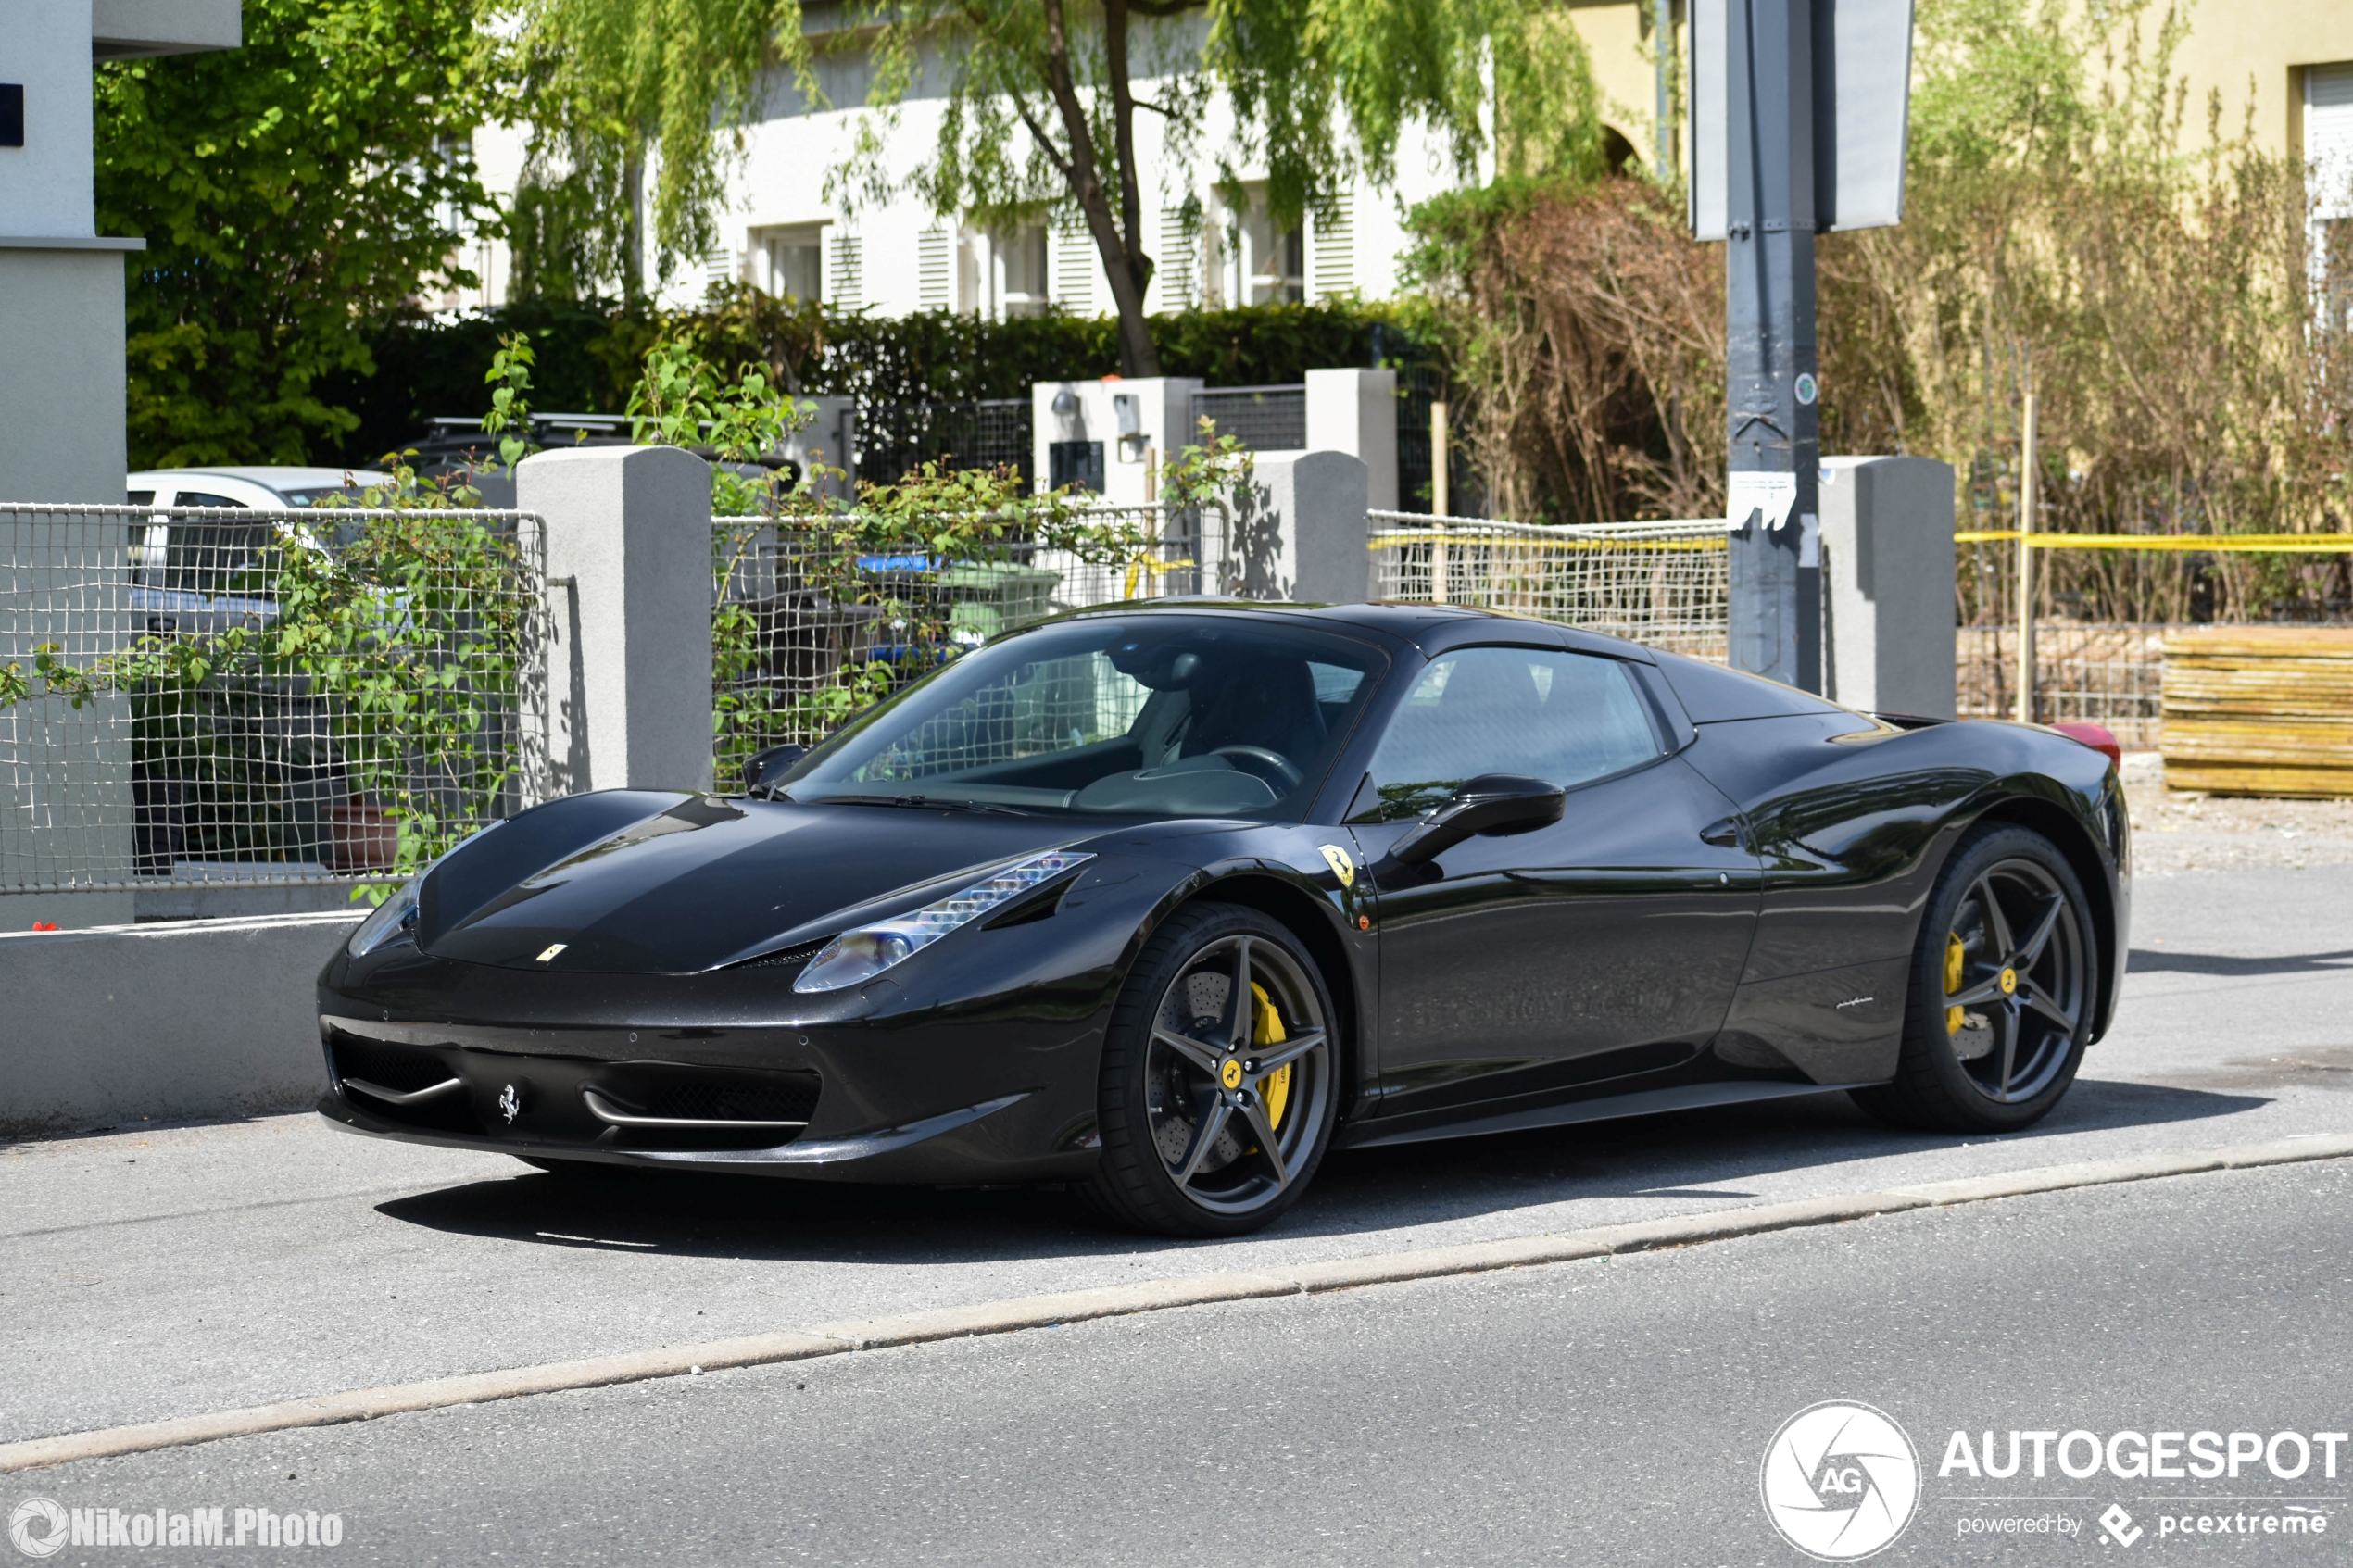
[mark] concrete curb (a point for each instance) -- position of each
(1148, 1296)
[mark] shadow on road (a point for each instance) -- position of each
(2149, 960)
(1707, 1158)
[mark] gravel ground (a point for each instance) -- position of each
(2176, 831)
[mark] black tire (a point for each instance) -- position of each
(1191, 1086)
(1994, 1035)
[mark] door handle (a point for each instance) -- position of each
(1726, 835)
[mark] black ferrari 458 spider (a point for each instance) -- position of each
(1166, 902)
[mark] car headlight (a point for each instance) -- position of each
(862, 954)
(394, 916)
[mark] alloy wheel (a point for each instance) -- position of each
(1238, 1075)
(2017, 986)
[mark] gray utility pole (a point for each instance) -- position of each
(1773, 398)
(1662, 47)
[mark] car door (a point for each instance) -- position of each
(1605, 945)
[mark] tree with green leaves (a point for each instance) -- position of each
(1041, 100)
(292, 192)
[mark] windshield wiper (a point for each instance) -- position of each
(917, 802)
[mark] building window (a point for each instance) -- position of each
(1279, 270)
(789, 263)
(1258, 264)
(1022, 282)
(2328, 163)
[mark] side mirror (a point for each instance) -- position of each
(761, 767)
(1491, 805)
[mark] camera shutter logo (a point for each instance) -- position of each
(38, 1527)
(1841, 1481)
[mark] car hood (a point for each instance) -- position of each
(638, 883)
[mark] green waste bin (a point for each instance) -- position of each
(985, 597)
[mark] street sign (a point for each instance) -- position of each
(1862, 90)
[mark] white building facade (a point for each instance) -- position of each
(783, 231)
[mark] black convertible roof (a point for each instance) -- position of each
(1426, 625)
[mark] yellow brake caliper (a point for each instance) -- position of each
(1266, 1029)
(1953, 961)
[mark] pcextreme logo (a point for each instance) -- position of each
(1841, 1481)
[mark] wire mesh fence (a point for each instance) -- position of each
(1665, 585)
(194, 695)
(1264, 419)
(895, 439)
(805, 633)
(2110, 673)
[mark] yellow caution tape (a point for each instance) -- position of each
(1521, 541)
(2253, 543)
(1137, 569)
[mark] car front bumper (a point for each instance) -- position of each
(727, 1072)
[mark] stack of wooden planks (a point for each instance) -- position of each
(2259, 710)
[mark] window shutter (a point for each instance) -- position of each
(846, 287)
(1175, 269)
(2328, 138)
(1074, 267)
(936, 259)
(1335, 241)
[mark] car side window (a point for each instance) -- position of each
(1561, 717)
(212, 555)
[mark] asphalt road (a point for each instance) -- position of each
(169, 1272)
(1615, 1411)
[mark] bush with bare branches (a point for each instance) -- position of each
(2159, 292)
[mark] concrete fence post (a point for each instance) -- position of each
(1355, 411)
(629, 598)
(1302, 532)
(1889, 644)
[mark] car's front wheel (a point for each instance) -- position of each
(2003, 990)
(1220, 1079)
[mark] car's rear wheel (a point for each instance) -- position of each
(1220, 1078)
(2003, 988)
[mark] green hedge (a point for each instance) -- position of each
(589, 354)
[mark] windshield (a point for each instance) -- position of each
(1164, 715)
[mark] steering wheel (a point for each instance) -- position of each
(1274, 761)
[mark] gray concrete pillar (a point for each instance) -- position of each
(1114, 424)
(1356, 412)
(629, 638)
(1301, 532)
(1888, 609)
